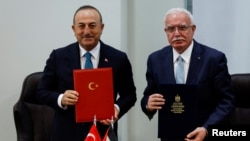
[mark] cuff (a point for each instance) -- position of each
(59, 102)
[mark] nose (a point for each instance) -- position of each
(176, 31)
(86, 29)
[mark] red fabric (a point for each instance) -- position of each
(93, 134)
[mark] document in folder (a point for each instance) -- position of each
(179, 115)
(96, 98)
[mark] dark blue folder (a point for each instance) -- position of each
(178, 116)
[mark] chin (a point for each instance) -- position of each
(88, 43)
(178, 46)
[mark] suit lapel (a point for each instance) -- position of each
(168, 70)
(72, 56)
(195, 64)
(104, 60)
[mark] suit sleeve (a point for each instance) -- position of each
(150, 89)
(46, 93)
(125, 86)
(222, 85)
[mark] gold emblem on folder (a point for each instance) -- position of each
(92, 85)
(177, 106)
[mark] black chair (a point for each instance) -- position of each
(32, 120)
(241, 89)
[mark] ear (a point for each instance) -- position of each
(102, 26)
(194, 28)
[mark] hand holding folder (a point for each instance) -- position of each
(179, 111)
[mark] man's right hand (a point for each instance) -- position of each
(70, 97)
(155, 102)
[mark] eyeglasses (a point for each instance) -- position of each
(180, 28)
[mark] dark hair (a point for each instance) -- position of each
(87, 7)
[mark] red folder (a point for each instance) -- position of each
(96, 98)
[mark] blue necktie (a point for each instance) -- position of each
(88, 62)
(180, 71)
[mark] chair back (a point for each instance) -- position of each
(241, 90)
(32, 120)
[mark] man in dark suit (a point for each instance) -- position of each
(204, 67)
(56, 87)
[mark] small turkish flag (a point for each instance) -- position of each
(93, 134)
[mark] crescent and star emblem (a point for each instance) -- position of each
(92, 85)
(90, 135)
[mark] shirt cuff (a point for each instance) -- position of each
(59, 102)
(118, 108)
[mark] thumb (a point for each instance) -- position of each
(191, 134)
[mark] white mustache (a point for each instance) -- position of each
(180, 38)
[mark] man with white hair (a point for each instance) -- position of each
(203, 67)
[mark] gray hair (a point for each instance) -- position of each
(179, 10)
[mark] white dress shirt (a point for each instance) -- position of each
(186, 55)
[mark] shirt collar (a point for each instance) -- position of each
(94, 52)
(185, 55)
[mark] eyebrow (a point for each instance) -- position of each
(87, 23)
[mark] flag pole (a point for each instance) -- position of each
(112, 122)
(94, 119)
